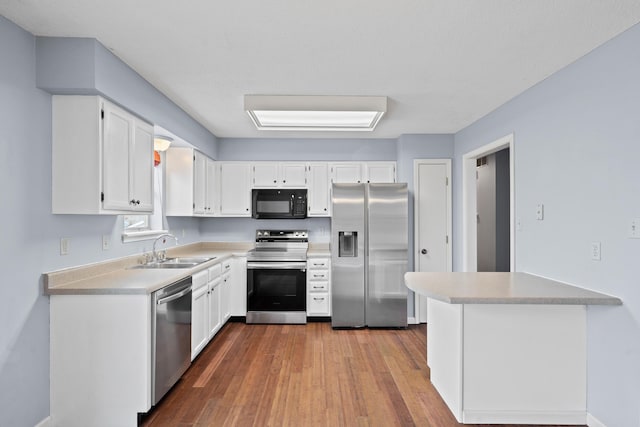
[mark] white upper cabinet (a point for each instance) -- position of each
(379, 172)
(293, 175)
(348, 172)
(199, 183)
(235, 189)
(265, 174)
(318, 194)
(102, 158)
(191, 183)
(279, 174)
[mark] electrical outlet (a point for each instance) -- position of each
(183, 232)
(64, 246)
(106, 242)
(634, 228)
(540, 212)
(595, 251)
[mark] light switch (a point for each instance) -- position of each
(64, 246)
(540, 212)
(106, 242)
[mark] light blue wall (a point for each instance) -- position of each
(30, 233)
(243, 229)
(306, 149)
(85, 66)
(576, 151)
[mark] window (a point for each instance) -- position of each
(144, 227)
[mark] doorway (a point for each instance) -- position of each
(432, 222)
(488, 207)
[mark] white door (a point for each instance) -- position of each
(346, 172)
(318, 197)
(380, 172)
(265, 174)
(142, 165)
(235, 189)
(115, 161)
(432, 221)
(211, 196)
(199, 183)
(293, 175)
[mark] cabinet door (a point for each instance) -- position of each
(142, 167)
(117, 134)
(199, 320)
(211, 196)
(235, 189)
(380, 172)
(199, 183)
(225, 302)
(238, 286)
(214, 308)
(318, 194)
(293, 175)
(265, 174)
(346, 172)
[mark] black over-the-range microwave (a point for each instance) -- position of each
(284, 203)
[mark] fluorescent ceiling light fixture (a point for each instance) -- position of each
(315, 113)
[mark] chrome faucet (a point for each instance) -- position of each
(163, 237)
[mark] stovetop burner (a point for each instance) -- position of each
(280, 245)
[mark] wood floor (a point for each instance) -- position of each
(306, 375)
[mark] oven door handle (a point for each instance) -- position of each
(276, 265)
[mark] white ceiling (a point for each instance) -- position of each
(442, 63)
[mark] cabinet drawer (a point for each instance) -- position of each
(318, 274)
(318, 287)
(318, 263)
(199, 279)
(226, 267)
(318, 304)
(215, 271)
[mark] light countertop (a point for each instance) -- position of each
(116, 277)
(502, 288)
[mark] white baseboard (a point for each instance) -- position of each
(524, 417)
(594, 422)
(412, 321)
(45, 423)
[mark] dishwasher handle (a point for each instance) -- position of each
(174, 296)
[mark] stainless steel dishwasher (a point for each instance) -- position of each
(170, 336)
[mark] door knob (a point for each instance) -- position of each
(423, 252)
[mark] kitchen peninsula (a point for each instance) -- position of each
(507, 347)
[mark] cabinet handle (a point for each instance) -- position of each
(284, 180)
(132, 202)
(325, 209)
(318, 299)
(317, 287)
(274, 181)
(137, 202)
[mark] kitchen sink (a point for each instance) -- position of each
(180, 262)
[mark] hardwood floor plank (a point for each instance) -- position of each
(306, 375)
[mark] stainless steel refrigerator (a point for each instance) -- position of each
(369, 255)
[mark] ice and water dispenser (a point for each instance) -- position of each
(348, 244)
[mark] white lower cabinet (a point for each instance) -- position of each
(318, 287)
(209, 305)
(199, 312)
(237, 284)
(215, 283)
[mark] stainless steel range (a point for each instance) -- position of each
(277, 277)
